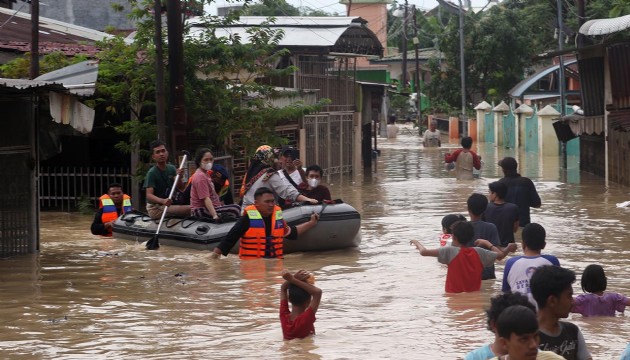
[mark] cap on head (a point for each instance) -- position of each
(290, 151)
(508, 163)
(221, 170)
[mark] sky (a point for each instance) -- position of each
(332, 6)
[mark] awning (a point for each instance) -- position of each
(605, 26)
(342, 36)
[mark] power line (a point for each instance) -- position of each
(12, 16)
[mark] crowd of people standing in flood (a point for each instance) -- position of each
(536, 292)
(526, 319)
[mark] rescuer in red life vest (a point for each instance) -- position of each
(111, 206)
(262, 229)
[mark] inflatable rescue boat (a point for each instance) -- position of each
(338, 227)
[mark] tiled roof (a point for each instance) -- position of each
(15, 34)
(50, 47)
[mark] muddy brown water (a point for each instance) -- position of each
(85, 297)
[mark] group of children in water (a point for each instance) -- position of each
(525, 318)
(537, 293)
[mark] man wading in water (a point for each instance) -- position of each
(464, 159)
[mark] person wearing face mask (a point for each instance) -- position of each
(313, 188)
(204, 200)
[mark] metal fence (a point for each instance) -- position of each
(63, 188)
(330, 141)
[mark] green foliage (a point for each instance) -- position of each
(620, 8)
(271, 8)
(227, 97)
(85, 206)
(222, 87)
(19, 68)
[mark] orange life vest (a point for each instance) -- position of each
(109, 208)
(255, 243)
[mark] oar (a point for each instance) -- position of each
(154, 242)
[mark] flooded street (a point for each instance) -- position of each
(88, 297)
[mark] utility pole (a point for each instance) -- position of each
(561, 78)
(418, 77)
(177, 110)
(160, 108)
(34, 67)
(404, 49)
(462, 65)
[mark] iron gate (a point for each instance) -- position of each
(330, 141)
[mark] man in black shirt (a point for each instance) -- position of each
(521, 190)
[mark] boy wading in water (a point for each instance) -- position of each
(465, 264)
(518, 334)
(298, 289)
(552, 289)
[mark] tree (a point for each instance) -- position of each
(229, 97)
(19, 68)
(271, 8)
(221, 73)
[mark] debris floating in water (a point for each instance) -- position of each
(623, 204)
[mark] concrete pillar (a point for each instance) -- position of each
(499, 111)
(453, 130)
(482, 109)
(547, 140)
(522, 112)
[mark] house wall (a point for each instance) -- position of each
(619, 156)
(591, 154)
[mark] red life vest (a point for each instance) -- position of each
(255, 243)
(464, 272)
(109, 208)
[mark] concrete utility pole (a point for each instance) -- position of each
(418, 78)
(462, 65)
(160, 108)
(404, 49)
(34, 68)
(177, 110)
(561, 78)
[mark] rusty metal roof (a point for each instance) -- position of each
(20, 85)
(15, 34)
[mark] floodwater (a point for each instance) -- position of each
(88, 297)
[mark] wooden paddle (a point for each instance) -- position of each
(154, 242)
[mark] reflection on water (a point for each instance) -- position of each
(88, 297)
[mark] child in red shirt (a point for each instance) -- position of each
(304, 297)
(465, 264)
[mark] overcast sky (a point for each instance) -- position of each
(332, 6)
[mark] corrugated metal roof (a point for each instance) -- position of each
(286, 21)
(519, 89)
(619, 59)
(23, 84)
(592, 85)
(423, 54)
(79, 79)
(619, 119)
(54, 35)
(342, 35)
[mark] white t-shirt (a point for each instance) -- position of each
(519, 269)
(295, 176)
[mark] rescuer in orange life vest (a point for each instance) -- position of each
(111, 206)
(262, 229)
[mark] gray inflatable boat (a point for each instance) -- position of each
(338, 227)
